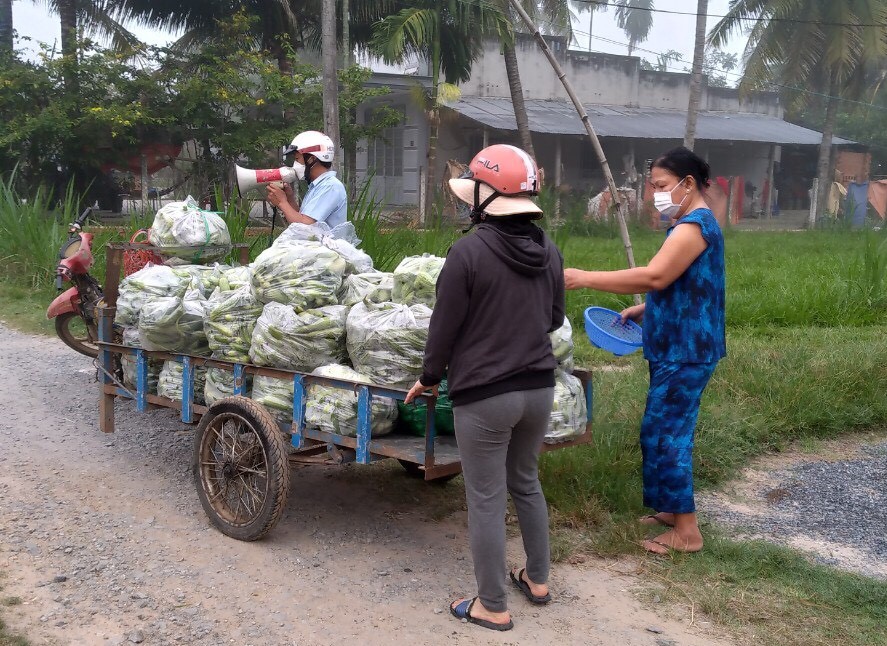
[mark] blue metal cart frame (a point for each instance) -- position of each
(433, 457)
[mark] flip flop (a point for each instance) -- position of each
(656, 518)
(462, 610)
(668, 548)
(524, 587)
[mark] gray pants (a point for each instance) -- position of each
(499, 442)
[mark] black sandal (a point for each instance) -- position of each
(524, 587)
(462, 610)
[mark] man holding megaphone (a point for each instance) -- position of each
(326, 199)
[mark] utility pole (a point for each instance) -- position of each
(330, 77)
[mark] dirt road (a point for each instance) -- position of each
(103, 538)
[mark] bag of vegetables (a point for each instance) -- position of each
(569, 413)
(387, 341)
(169, 384)
(358, 262)
(220, 384)
(235, 277)
(129, 365)
(375, 286)
(415, 280)
(276, 395)
(284, 339)
(335, 409)
(230, 320)
(184, 228)
(137, 288)
(203, 277)
(175, 324)
(562, 346)
(304, 274)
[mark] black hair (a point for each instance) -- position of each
(682, 162)
(326, 165)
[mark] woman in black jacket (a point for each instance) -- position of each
(499, 295)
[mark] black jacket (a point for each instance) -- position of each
(499, 295)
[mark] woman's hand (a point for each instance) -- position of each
(634, 313)
(417, 389)
(574, 278)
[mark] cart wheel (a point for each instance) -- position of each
(415, 471)
(241, 469)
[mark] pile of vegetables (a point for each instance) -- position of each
(284, 339)
(415, 280)
(230, 320)
(175, 324)
(569, 413)
(185, 229)
(335, 409)
(375, 286)
(129, 365)
(387, 341)
(304, 275)
(169, 383)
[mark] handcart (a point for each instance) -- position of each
(242, 454)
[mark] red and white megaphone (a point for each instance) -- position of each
(250, 179)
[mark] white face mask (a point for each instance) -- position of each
(300, 170)
(663, 203)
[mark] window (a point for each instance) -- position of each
(385, 152)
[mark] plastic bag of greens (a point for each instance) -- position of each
(235, 277)
(387, 341)
(230, 320)
(220, 384)
(169, 384)
(302, 274)
(358, 262)
(129, 365)
(411, 417)
(175, 324)
(562, 346)
(298, 232)
(415, 280)
(346, 232)
(203, 277)
(136, 289)
(335, 409)
(276, 395)
(375, 286)
(184, 228)
(569, 413)
(284, 339)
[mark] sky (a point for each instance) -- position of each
(32, 19)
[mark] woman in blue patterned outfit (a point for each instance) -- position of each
(683, 339)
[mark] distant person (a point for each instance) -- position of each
(499, 296)
(684, 338)
(326, 199)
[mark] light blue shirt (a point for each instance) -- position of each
(326, 200)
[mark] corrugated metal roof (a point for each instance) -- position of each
(560, 118)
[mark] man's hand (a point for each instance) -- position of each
(417, 390)
(278, 195)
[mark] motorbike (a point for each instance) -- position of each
(74, 309)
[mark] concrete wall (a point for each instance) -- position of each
(606, 79)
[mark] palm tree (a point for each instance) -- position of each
(810, 47)
(696, 79)
(6, 43)
(447, 33)
(635, 18)
(89, 17)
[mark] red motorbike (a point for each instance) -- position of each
(74, 309)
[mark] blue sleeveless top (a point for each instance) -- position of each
(684, 323)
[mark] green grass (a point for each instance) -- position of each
(771, 595)
(8, 638)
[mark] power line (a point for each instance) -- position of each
(602, 3)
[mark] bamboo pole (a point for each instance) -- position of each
(589, 129)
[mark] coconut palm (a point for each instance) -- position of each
(447, 33)
(696, 79)
(87, 18)
(6, 43)
(635, 18)
(811, 48)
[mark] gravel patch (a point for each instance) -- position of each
(833, 509)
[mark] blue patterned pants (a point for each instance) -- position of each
(667, 434)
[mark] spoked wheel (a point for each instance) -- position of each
(77, 334)
(241, 469)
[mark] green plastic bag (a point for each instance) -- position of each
(411, 417)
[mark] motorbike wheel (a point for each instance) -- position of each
(77, 334)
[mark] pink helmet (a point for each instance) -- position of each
(500, 181)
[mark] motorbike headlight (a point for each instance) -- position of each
(70, 248)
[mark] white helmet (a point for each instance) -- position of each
(312, 142)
